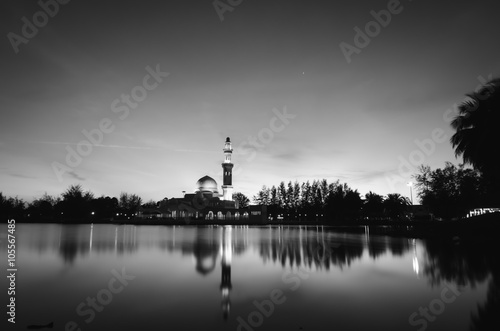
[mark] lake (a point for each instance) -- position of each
(127, 277)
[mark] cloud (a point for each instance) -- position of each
(288, 156)
(76, 176)
(194, 151)
(370, 174)
(23, 176)
(348, 176)
(95, 145)
(45, 142)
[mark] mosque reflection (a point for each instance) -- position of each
(312, 247)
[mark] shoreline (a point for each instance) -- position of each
(476, 227)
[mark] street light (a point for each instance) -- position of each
(410, 184)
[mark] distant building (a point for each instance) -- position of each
(206, 202)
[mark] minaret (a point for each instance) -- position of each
(227, 174)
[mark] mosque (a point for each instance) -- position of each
(206, 203)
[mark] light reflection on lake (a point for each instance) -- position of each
(214, 277)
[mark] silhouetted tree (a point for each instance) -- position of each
(75, 203)
(306, 200)
(282, 195)
(306, 194)
(396, 205)
(318, 200)
(316, 195)
(324, 188)
(289, 197)
(129, 203)
(476, 138)
(343, 203)
(242, 199)
(451, 191)
(273, 196)
(44, 207)
(273, 209)
(150, 204)
(296, 198)
(104, 207)
(11, 207)
(373, 205)
(262, 197)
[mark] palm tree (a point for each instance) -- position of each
(477, 136)
(395, 205)
(373, 205)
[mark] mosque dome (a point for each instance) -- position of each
(207, 184)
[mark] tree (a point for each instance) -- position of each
(273, 196)
(477, 137)
(262, 197)
(296, 196)
(306, 195)
(75, 203)
(150, 204)
(129, 203)
(452, 191)
(373, 205)
(105, 207)
(43, 207)
(11, 207)
(242, 199)
(343, 203)
(323, 186)
(289, 196)
(282, 195)
(317, 199)
(396, 205)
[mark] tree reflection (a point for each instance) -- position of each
(459, 263)
(82, 239)
(322, 247)
(468, 263)
(487, 317)
(68, 246)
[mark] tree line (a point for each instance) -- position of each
(332, 201)
(74, 204)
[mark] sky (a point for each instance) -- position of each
(302, 88)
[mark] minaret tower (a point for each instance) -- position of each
(227, 174)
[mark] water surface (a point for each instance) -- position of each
(246, 278)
